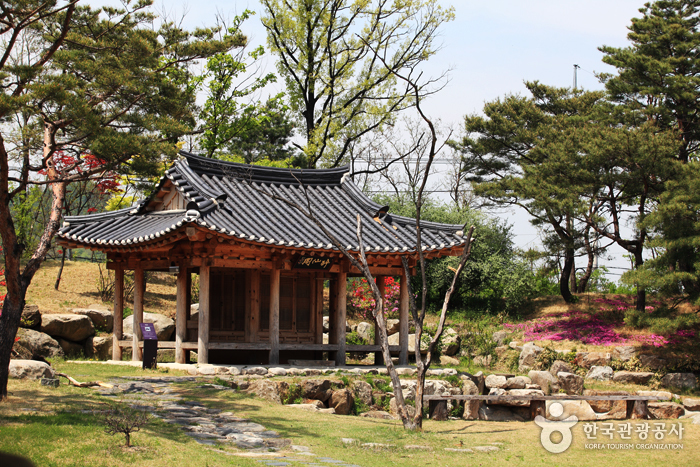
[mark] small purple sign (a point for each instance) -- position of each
(148, 331)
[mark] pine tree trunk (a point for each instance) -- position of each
(565, 276)
(641, 301)
(9, 323)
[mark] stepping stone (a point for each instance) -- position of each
(485, 448)
(458, 450)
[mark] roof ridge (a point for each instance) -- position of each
(262, 174)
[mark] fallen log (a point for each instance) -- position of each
(87, 384)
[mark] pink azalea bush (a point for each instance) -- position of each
(362, 303)
(591, 329)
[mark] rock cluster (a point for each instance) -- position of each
(51, 335)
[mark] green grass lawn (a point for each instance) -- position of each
(54, 427)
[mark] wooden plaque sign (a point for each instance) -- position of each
(312, 262)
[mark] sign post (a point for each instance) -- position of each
(150, 345)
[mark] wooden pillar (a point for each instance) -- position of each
(254, 312)
(378, 357)
(318, 311)
(340, 312)
(188, 311)
(274, 317)
(118, 329)
(332, 315)
(181, 314)
(136, 352)
(204, 301)
(403, 320)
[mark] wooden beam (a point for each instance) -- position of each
(136, 352)
(379, 271)
(274, 335)
(204, 302)
(341, 300)
(403, 320)
(181, 314)
(118, 327)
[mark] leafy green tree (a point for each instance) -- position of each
(100, 85)
(526, 152)
(339, 60)
(658, 75)
(233, 120)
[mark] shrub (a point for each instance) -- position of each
(125, 419)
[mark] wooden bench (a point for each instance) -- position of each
(636, 405)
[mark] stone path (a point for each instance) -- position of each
(211, 426)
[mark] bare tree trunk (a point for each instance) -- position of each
(641, 300)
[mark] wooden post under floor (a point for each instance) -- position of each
(118, 329)
(136, 352)
(378, 357)
(204, 301)
(332, 315)
(403, 320)
(181, 314)
(340, 311)
(274, 317)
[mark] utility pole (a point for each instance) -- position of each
(576, 67)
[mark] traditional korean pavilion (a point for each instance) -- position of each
(261, 263)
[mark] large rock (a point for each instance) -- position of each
(589, 359)
(101, 316)
(571, 383)
(469, 388)
(326, 324)
(39, 344)
(606, 406)
(600, 373)
(363, 392)
(500, 337)
(70, 348)
(273, 391)
(365, 331)
(71, 327)
(580, 409)
(410, 407)
(679, 380)
(342, 401)
(517, 382)
(450, 342)
(544, 380)
(518, 392)
(661, 410)
(31, 317)
(691, 404)
(165, 327)
(448, 361)
(30, 369)
(99, 347)
(317, 389)
(496, 381)
(632, 377)
(528, 357)
(392, 326)
(559, 366)
(652, 362)
(394, 340)
(624, 353)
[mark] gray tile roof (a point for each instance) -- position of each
(238, 201)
